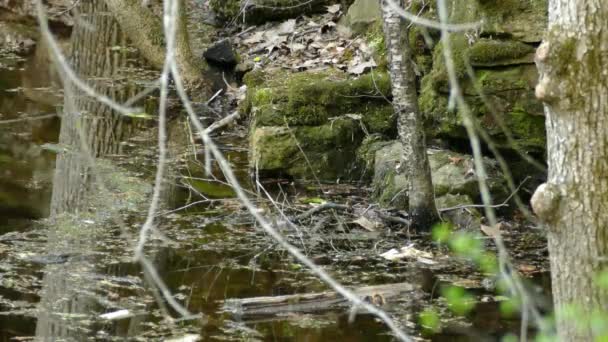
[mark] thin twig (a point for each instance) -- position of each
(223, 122)
(320, 208)
(28, 118)
(503, 204)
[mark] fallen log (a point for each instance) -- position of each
(313, 302)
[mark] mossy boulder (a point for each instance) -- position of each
(315, 98)
(362, 14)
(325, 152)
(452, 173)
(495, 68)
(459, 217)
(310, 124)
(521, 20)
(492, 52)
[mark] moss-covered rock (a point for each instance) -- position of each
(491, 52)
(312, 123)
(500, 97)
(314, 98)
(452, 173)
(521, 20)
(459, 217)
(362, 14)
(366, 154)
(325, 152)
(494, 65)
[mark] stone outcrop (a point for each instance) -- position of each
(309, 125)
(499, 56)
(362, 14)
(453, 173)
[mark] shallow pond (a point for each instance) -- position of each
(69, 225)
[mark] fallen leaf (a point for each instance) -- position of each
(526, 268)
(287, 27)
(407, 252)
(455, 160)
(185, 338)
(333, 9)
(360, 68)
(492, 231)
(366, 223)
(255, 38)
(120, 314)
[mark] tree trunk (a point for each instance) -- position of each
(414, 161)
(145, 31)
(573, 85)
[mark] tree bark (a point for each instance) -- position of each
(573, 85)
(145, 31)
(414, 161)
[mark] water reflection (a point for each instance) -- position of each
(72, 297)
(26, 168)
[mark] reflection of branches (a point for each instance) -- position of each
(27, 118)
(506, 269)
(171, 69)
(69, 76)
(265, 224)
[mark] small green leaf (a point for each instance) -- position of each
(459, 301)
(509, 308)
(442, 232)
(467, 245)
(141, 115)
(429, 320)
(313, 200)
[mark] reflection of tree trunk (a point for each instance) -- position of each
(146, 32)
(68, 295)
(93, 56)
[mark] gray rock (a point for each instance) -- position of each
(361, 14)
(461, 217)
(453, 173)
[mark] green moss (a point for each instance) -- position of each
(254, 78)
(380, 119)
(530, 129)
(326, 151)
(458, 45)
(497, 52)
(225, 9)
(375, 40)
(313, 98)
(210, 189)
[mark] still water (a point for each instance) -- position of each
(75, 182)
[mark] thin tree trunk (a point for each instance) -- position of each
(410, 126)
(573, 84)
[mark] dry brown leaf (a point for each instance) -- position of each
(455, 160)
(492, 231)
(360, 68)
(333, 9)
(366, 223)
